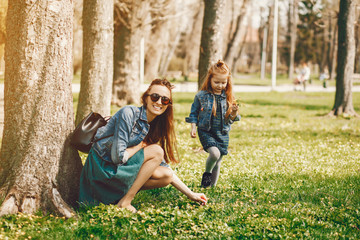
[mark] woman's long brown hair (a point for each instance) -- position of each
(220, 68)
(162, 128)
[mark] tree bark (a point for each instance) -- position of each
(97, 67)
(333, 56)
(193, 40)
(130, 17)
(345, 59)
(158, 37)
(211, 36)
(78, 36)
(38, 168)
(235, 41)
(293, 9)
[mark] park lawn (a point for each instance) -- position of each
(291, 172)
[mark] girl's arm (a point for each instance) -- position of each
(193, 117)
(194, 112)
(234, 111)
(193, 130)
(179, 185)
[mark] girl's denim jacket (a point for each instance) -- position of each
(201, 111)
(129, 127)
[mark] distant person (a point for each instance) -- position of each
(302, 77)
(136, 156)
(324, 76)
(213, 111)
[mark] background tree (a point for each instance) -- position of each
(293, 20)
(131, 19)
(191, 44)
(233, 45)
(156, 41)
(345, 60)
(310, 32)
(211, 36)
(97, 67)
(357, 41)
(38, 168)
(78, 36)
(332, 43)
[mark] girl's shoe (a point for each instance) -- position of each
(206, 180)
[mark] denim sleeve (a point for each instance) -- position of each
(123, 128)
(194, 112)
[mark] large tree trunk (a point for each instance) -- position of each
(345, 60)
(130, 17)
(235, 40)
(293, 18)
(211, 36)
(97, 67)
(38, 168)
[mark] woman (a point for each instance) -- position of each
(136, 156)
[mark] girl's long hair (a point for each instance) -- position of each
(220, 68)
(162, 128)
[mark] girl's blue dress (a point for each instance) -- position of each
(215, 137)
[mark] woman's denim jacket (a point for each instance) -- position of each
(129, 127)
(201, 110)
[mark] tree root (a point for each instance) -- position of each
(60, 206)
(343, 114)
(16, 202)
(9, 206)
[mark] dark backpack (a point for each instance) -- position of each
(82, 137)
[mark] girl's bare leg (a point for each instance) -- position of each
(161, 177)
(153, 155)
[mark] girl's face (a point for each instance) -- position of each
(219, 83)
(157, 101)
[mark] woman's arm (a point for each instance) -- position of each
(134, 149)
(179, 185)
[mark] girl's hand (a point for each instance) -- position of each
(199, 197)
(234, 109)
(193, 130)
(193, 133)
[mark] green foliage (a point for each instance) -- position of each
(310, 33)
(290, 173)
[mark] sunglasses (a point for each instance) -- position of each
(164, 100)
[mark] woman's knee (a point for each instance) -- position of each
(154, 152)
(165, 174)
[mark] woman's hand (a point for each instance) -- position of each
(199, 197)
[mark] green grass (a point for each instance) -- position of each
(291, 173)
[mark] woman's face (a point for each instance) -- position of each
(156, 108)
(218, 82)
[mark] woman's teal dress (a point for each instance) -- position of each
(105, 182)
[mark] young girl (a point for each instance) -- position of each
(213, 111)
